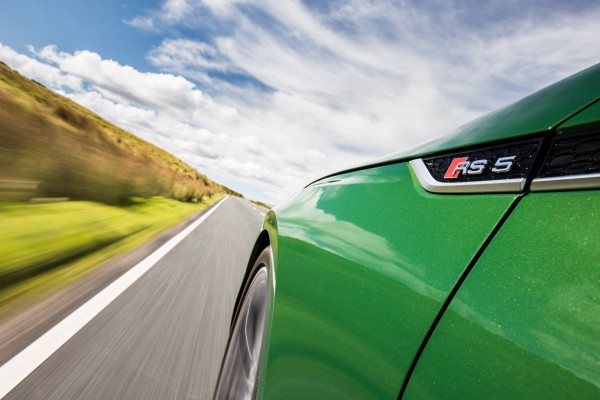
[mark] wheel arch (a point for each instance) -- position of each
(266, 238)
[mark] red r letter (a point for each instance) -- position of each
(456, 166)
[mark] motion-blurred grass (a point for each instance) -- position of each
(261, 204)
(45, 247)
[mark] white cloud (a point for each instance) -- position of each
(166, 91)
(171, 12)
(37, 70)
(185, 53)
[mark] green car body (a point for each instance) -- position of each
(385, 288)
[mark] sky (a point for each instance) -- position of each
(265, 96)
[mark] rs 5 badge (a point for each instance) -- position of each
(488, 168)
(463, 165)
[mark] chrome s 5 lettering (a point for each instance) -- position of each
(462, 164)
(503, 164)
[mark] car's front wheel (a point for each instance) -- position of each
(239, 371)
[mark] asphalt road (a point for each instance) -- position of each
(164, 336)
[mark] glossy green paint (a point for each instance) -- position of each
(536, 113)
(526, 322)
(363, 263)
(586, 119)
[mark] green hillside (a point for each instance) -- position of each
(51, 147)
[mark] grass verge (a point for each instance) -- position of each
(45, 247)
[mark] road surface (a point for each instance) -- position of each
(164, 336)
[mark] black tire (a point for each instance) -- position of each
(239, 369)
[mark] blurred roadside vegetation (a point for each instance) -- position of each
(48, 246)
(121, 191)
(51, 147)
(261, 204)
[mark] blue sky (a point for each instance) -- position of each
(266, 95)
(78, 25)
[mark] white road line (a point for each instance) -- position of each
(260, 210)
(20, 366)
